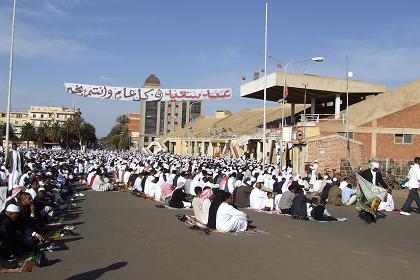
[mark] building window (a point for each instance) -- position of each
(403, 138)
(344, 134)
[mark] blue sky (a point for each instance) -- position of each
(196, 44)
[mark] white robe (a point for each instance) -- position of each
(14, 176)
(258, 199)
(228, 219)
(388, 205)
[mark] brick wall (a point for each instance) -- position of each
(386, 148)
(407, 118)
(330, 151)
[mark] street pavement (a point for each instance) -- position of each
(125, 237)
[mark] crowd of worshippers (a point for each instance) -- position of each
(37, 190)
(216, 188)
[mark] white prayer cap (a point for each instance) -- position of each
(48, 174)
(335, 179)
(325, 176)
(301, 182)
(238, 183)
(41, 189)
(260, 179)
(316, 161)
(12, 208)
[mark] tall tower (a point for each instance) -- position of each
(158, 118)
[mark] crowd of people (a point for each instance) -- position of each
(38, 181)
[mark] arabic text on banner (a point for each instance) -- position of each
(147, 94)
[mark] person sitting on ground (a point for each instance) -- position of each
(348, 195)
(334, 195)
(319, 212)
(242, 193)
(325, 190)
(387, 205)
(214, 206)
(196, 203)
(259, 199)
(285, 203)
(229, 219)
(101, 183)
(299, 209)
(10, 245)
(178, 198)
(205, 202)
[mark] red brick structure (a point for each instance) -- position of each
(329, 150)
(133, 122)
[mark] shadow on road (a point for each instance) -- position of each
(96, 273)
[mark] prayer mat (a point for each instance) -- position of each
(338, 220)
(172, 208)
(272, 212)
(192, 223)
(26, 266)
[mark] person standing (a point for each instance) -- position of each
(413, 187)
(314, 168)
(14, 164)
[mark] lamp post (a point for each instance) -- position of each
(190, 125)
(348, 76)
(9, 94)
(265, 86)
(314, 59)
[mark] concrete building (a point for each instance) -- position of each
(38, 115)
(158, 118)
(383, 125)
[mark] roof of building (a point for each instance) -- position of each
(246, 122)
(152, 80)
(322, 88)
(376, 107)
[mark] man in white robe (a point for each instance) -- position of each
(229, 219)
(14, 164)
(259, 199)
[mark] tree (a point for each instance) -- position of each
(87, 134)
(12, 135)
(119, 137)
(54, 132)
(28, 133)
(42, 132)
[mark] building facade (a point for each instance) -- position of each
(38, 115)
(158, 118)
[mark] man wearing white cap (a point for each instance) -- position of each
(8, 231)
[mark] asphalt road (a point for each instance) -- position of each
(124, 237)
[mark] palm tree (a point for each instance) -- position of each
(54, 132)
(28, 133)
(87, 133)
(42, 132)
(119, 137)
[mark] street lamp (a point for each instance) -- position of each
(314, 59)
(190, 121)
(9, 94)
(348, 76)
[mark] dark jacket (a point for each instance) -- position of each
(299, 206)
(178, 196)
(241, 196)
(367, 174)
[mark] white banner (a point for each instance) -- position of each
(147, 94)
